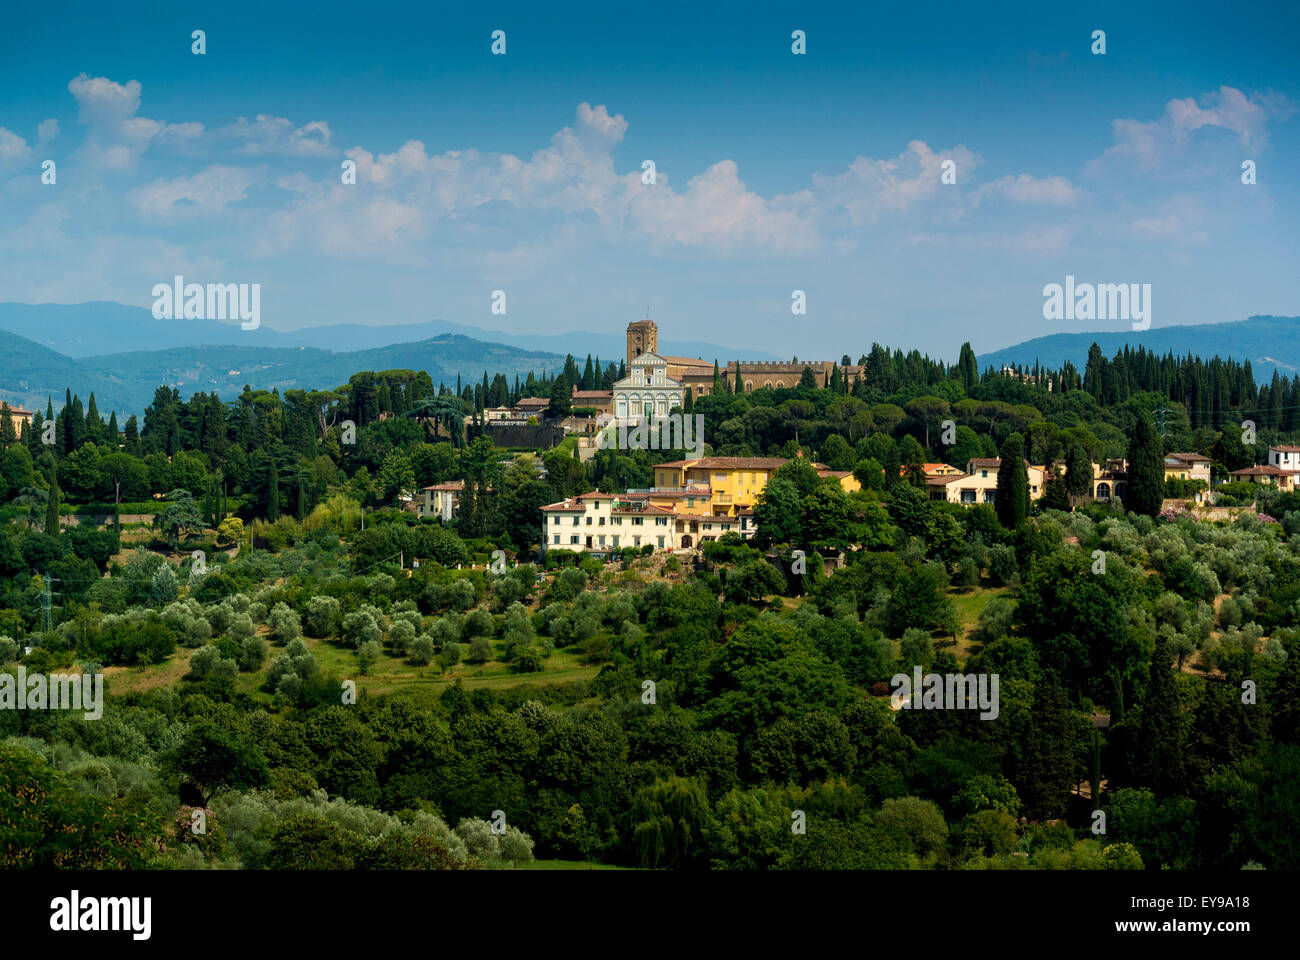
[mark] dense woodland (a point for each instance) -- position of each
(231, 565)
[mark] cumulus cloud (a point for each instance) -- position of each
(1150, 145)
(13, 148)
(47, 131)
(117, 135)
(209, 191)
(870, 188)
(278, 136)
(1023, 188)
(718, 210)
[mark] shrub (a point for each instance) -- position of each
(968, 572)
(1002, 564)
(480, 651)
(420, 650)
(285, 623)
(324, 617)
(252, 654)
(401, 635)
(361, 627)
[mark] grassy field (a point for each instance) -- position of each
(389, 675)
(970, 603)
(567, 865)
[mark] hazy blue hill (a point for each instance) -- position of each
(30, 373)
(102, 327)
(226, 369)
(1269, 343)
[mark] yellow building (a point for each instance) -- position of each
(716, 495)
(20, 418)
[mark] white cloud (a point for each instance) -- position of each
(869, 188)
(117, 136)
(1170, 230)
(718, 210)
(266, 135)
(1049, 191)
(209, 191)
(13, 148)
(47, 131)
(1150, 145)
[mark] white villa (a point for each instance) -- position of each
(603, 522)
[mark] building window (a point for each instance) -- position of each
(589, 521)
(573, 539)
(661, 543)
(602, 521)
(636, 541)
(575, 521)
(557, 538)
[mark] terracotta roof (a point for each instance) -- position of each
(738, 463)
(1282, 449)
(1266, 470)
(1197, 457)
(533, 402)
(627, 507)
(997, 462)
(945, 479)
(689, 361)
(593, 395)
(455, 486)
(575, 505)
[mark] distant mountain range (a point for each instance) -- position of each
(101, 327)
(46, 348)
(1269, 343)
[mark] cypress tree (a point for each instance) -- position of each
(209, 511)
(717, 378)
(32, 436)
(114, 435)
(1095, 771)
(1011, 499)
(7, 432)
(273, 493)
(1146, 469)
(1160, 735)
(52, 504)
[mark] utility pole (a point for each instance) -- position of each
(47, 604)
(1160, 419)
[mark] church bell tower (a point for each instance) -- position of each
(642, 337)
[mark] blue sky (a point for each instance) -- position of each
(776, 172)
